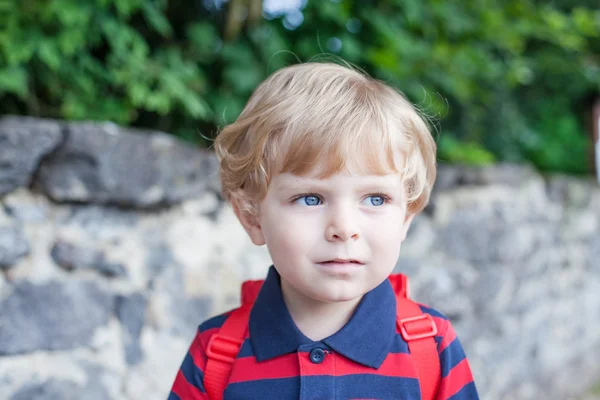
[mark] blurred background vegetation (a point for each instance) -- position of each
(506, 80)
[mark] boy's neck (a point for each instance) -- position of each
(317, 320)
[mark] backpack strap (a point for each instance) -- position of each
(418, 330)
(224, 346)
(250, 291)
(221, 351)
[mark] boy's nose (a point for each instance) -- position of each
(342, 227)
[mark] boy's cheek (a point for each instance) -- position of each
(292, 237)
(286, 221)
(391, 223)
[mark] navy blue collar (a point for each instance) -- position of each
(366, 338)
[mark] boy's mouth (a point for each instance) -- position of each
(341, 261)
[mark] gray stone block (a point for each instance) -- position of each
(451, 176)
(52, 316)
(72, 257)
(106, 164)
(53, 389)
(131, 311)
(23, 143)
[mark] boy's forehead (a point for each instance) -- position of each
(289, 180)
(355, 164)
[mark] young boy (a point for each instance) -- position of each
(327, 167)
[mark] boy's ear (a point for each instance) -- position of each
(244, 212)
(406, 224)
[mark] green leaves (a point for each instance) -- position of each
(156, 19)
(204, 42)
(453, 151)
(507, 80)
(92, 60)
(49, 54)
(13, 80)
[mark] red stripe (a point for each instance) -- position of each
(395, 365)
(248, 369)
(456, 379)
(185, 390)
(446, 329)
(399, 365)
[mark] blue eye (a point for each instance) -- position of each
(375, 200)
(308, 200)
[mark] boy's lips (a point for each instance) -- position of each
(348, 261)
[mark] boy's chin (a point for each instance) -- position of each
(334, 294)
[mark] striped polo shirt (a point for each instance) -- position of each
(366, 359)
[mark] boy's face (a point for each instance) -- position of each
(332, 239)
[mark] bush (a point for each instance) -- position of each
(507, 80)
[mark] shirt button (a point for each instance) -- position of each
(317, 356)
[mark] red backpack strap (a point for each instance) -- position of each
(250, 291)
(418, 330)
(224, 346)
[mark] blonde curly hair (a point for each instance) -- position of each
(327, 116)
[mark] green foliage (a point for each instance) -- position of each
(94, 60)
(455, 151)
(506, 80)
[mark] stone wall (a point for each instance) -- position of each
(115, 244)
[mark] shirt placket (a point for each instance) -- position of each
(317, 372)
